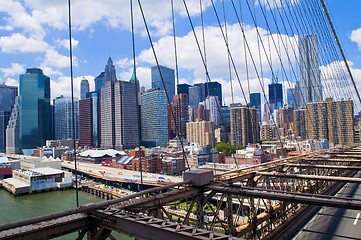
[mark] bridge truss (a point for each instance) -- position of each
(267, 201)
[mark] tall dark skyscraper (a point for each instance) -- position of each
(34, 109)
(310, 81)
(7, 100)
(84, 88)
(255, 99)
(209, 89)
(168, 78)
(213, 89)
(99, 82)
(63, 118)
(119, 112)
(291, 96)
(275, 94)
(86, 122)
(183, 88)
(194, 96)
(109, 74)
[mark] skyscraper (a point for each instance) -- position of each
(299, 117)
(275, 94)
(13, 130)
(63, 118)
(213, 89)
(255, 99)
(330, 120)
(109, 74)
(84, 88)
(86, 122)
(154, 118)
(99, 80)
(183, 88)
(7, 97)
(118, 115)
(168, 77)
(244, 125)
(201, 132)
(310, 81)
(194, 96)
(209, 89)
(7, 100)
(178, 116)
(95, 119)
(213, 105)
(291, 96)
(35, 110)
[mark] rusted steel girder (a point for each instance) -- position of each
(146, 227)
(311, 177)
(289, 197)
(341, 167)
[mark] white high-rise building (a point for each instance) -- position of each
(310, 80)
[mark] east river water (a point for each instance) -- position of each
(28, 206)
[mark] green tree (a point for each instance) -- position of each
(228, 148)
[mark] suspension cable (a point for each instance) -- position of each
(72, 104)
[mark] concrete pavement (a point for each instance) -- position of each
(335, 223)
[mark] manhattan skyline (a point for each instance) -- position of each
(29, 41)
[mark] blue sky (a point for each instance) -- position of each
(33, 33)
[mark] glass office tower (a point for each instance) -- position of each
(34, 109)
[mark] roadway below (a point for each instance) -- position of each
(120, 175)
(335, 223)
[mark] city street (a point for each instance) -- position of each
(120, 174)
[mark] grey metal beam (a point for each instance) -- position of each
(289, 197)
(146, 227)
(324, 166)
(50, 229)
(88, 207)
(311, 177)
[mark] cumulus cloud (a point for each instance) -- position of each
(271, 4)
(19, 43)
(15, 69)
(54, 59)
(11, 82)
(143, 75)
(356, 37)
(65, 43)
(217, 63)
(62, 86)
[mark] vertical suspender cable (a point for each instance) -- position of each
(136, 94)
(72, 105)
(339, 46)
(161, 76)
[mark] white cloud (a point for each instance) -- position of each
(114, 13)
(65, 43)
(19, 43)
(11, 82)
(48, 71)
(271, 4)
(54, 59)
(143, 75)
(356, 37)
(189, 58)
(62, 86)
(124, 63)
(15, 69)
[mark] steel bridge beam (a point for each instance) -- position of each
(311, 177)
(289, 197)
(324, 166)
(146, 227)
(50, 229)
